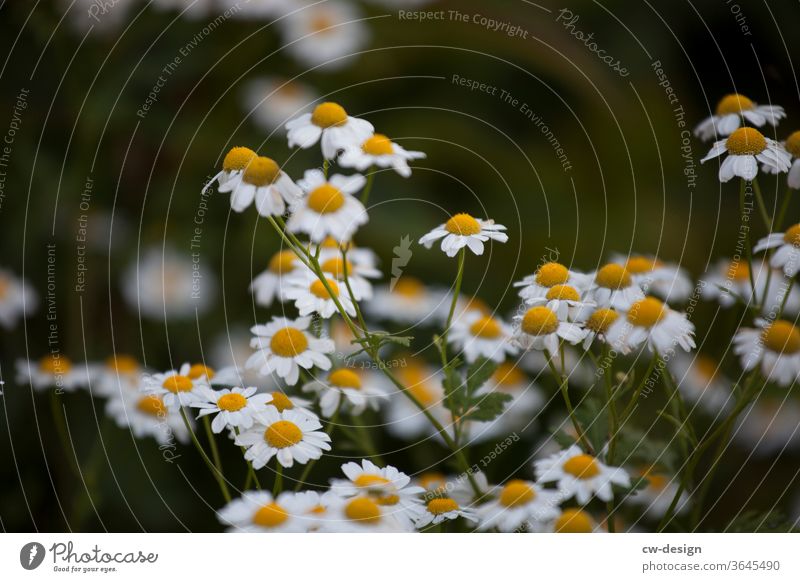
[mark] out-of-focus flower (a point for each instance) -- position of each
(17, 299)
(354, 389)
(176, 387)
(270, 284)
(650, 321)
(787, 250)
(519, 503)
(700, 379)
(729, 281)
(665, 280)
(53, 371)
(482, 336)
(581, 475)
(272, 101)
(146, 415)
(259, 511)
(310, 295)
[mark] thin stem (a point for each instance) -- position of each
(333, 424)
(561, 380)
(761, 206)
(223, 487)
(784, 207)
(368, 187)
(748, 245)
(278, 485)
(213, 445)
(456, 292)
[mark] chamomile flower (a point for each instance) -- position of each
(407, 301)
(527, 397)
(519, 504)
(580, 475)
(146, 415)
(614, 286)
(482, 336)
(564, 300)
(361, 514)
(700, 379)
(268, 286)
(282, 401)
(329, 209)
(652, 322)
(272, 101)
(746, 147)
(597, 322)
(657, 496)
(730, 111)
(52, 371)
(233, 165)
(259, 511)
(792, 145)
(264, 183)
(176, 387)
(17, 299)
(311, 295)
(729, 281)
(439, 509)
(667, 281)
(353, 389)
(573, 520)
(577, 366)
(378, 150)
(787, 250)
(539, 328)
(330, 124)
(118, 373)
(462, 230)
(769, 426)
(289, 436)
(233, 407)
(283, 346)
(424, 384)
(775, 346)
(549, 275)
(358, 274)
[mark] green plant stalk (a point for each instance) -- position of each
(223, 487)
(761, 206)
(368, 188)
(277, 487)
(748, 246)
(307, 469)
(562, 382)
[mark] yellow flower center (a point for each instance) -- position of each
(574, 521)
(282, 434)
(321, 22)
(200, 370)
(344, 378)
(152, 405)
(734, 103)
(177, 383)
(793, 144)
(639, 264)
(646, 312)
(363, 509)
(409, 287)
(325, 199)
(288, 342)
(318, 288)
(462, 224)
(539, 321)
(601, 320)
(507, 374)
(270, 515)
(613, 276)
(781, 337)
(516, 493)
(231, 402)
(282, 262)
(237, 159)
(440, 505)
(5, 285)
(432, 481)
(281, 401)
(377, 145)
(328, 114)
(416, 380)
(582, 467)
(486, 327)
(657, 481)
(261, 171)
(738, 271)
(706, 366)
(367, 481)
(336, 267)
(746, 141)
(792, 235)
(122, 364)
(55, 364)
(564, 292)
(551, 274)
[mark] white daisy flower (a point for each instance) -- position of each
(310, 295)
(518, 504)
(700, 379)
(264, 182)
(482, 336)
(549, 275)
(268, 285)
(324, 35)
(775, 346)
(289, 436)
(358, 274)
(281, 401)
(657, 497)
(768, 427)
(362, 514)
(379, 151)
(407, 301)
(573, 520)
(667, 281)
(424, 383)
(53, 371)
(578, 474)
(462, 230)
(729, 281)
(283, 346)
(330, 209)
(564, 300)
(259, 511)
(792, 145)
(329, 123)
(597, 323)
(146, 415)
(348, 387)
(176, 387)
(730, 111)
(746, 147)
(539, 328)
(439, 509)
(272, 101)
(118, 373)
(17, 299)
(650, 321)
(233, 165)
(615, 287)
(787, 253)
(233, 407)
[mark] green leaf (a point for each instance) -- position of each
(762, 521)
(487, 407)
(478, 373)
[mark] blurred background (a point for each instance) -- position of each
(117, 113)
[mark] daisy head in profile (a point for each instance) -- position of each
(356, 271)
(746, 147)
(651, 321)
(380, 152)
(480, 335)
(117, 373)
(580, 475)
(668, 281)
(440, 509)
(462, 230)
(262, 181)
(564, 300)
(773, 345)
(351, 389)
(330, 124)
(787, 250)
(361, 514)
(231, 407)
(614, 286)
(52, 371)
(792, 145)
(289, 436)
(259, 511)
(539, 328)
(548, 275)
(283, 346)
(269, 285)
(518, 504)
(597, 323)
(233, 165)
(176, 387)
(146, 415)
(573, 520)
(731, 111)
(329, 209)
(311, 295)
(17, 299)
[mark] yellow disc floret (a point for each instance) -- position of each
(319, 290)
(281, 401)
(781, 337)
(261, 171)
(270, 515)
(325, 199)
(539, 321)
(344, 378)
(551, 274)
(516, 493)
(200, 370)
(563, 292)
(409, 287)
(282, 434)
(463, 225)
(746, 141)
(574, 521)
(55, 364)
(646, 312)
(738, 271)
(328, 114)
(792, 235)
(440, 505)
(378, 145)
(792, 144)
(507, 374)
(122, 364)
(486, 327)
(231, 402)
(282, 262)
(237, 159)
(363, 509)
(152, 405)
(613, 276)
(734, 104)
(177, 383)
(288, 342)
(639, 264)
(601, 320)
(336, 266)
(582, 467)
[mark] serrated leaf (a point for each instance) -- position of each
(487, 407)
(478, 373)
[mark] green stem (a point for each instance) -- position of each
(368, 187)
(223, 487)
(561, 380)
(332, 423)
(748, 245)
(212, 443)
(784, 207)
(761, 206)
(277, 487)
